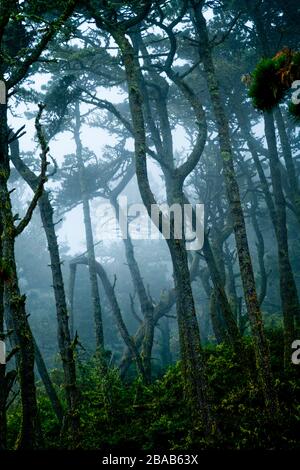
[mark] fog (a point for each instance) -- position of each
(149, 220)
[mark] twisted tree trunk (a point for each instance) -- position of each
(191, 352)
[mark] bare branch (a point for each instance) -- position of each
(42, 178)
(215, 42)
(133, 311)
(16, 135)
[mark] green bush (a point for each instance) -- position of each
(156, 418)
(266, 89)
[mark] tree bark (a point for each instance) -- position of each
(233, 194)
(193, 365)
(288, 289)
(3, 421)
(89, 237)
(219, 296)
(63, 333)
(147, 307)
(72, 279)
(30, 432)
(293, 187)
(109, 290)
(165, 350)
(51, 392)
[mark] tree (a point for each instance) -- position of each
(191, 351)
(63, 332)
(233, 194)
(30, 429)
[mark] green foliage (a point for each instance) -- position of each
(271, 80)
(155, 418)
(266, 89)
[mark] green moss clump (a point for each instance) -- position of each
(266, 90)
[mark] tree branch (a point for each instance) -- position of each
(42, 178)
(18, 74)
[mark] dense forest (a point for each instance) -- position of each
(187, 338)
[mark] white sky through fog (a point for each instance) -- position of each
(71, 231)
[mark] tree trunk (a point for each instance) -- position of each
(260, 343)
(109, 290)
(147, 307)
(293, 187)
(63, 333)
(193, 365)
(219, 296)
(288, 289)
(51, 392)
(89, 237)
(3, 422)
(165, 350)
(30, 433)
(72, 279)
(220, 332)
(190, 345)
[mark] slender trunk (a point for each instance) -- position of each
(220, 332)
(30, 433)
(72, 279)
(109, 290)
(51, 392)
(193, 365)
(260, 252)
(63, 333)
(219, 296)
(260, 244)
(260, 343)
(217, 327)
(194, 372)
(165, 350)
(288, 289)
(145, 303)
(231, 284)
(293, 187)
(89, 237)
(3, 422)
